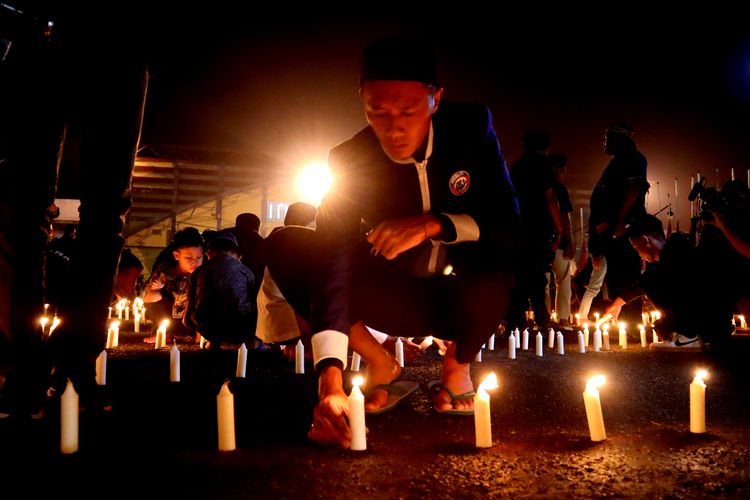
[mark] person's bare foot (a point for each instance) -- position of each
(457, 378)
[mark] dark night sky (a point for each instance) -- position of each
(288, 88)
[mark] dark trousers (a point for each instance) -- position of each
(48, 99)
(465, 308)
(531, 284)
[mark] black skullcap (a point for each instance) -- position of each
(645, 224)
(399, 58)
(223, 239)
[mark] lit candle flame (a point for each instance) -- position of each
(657, 314)
(621, 325)
(137, 303)
(55, 324)
(358, 381)
(586, 326)
(164, 324)
(489, 382)
(43, 321)
(595, 382)
(701, 374)
(605, 327)
(115, 325)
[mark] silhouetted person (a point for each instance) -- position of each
(250, 241)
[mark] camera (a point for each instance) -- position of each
(712, 200)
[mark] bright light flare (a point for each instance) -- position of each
(595, 382)
(358, 381)
(489, 382)
(313, 182)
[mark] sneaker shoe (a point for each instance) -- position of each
(679, 343)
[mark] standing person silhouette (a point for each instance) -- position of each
(55, 87)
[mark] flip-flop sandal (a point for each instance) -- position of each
(436, 386)
(397, 391)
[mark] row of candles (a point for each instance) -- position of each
(482, 413)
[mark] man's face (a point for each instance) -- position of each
(646, 249)
(188, 258)
(400, 113)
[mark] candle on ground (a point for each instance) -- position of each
(225, 418)
(137, 321)
(642, 331)
(101, 368)
(525, 339)
(69, 420)
(623, 337)
(299, 357)
(161, 335)
(491, 342)
(512, 346)
(596, 319)
(605, 338)
(560, 343)
(593, 406)
(202, 341)
(241, 361)
(174, 364)
(518, 338)
(654, 336)
(54, 325)
(427, 342)
(112, 332)
(356, 359)
(586, 333)
(482, 416)
(743, 323)
(127, 312)
(357, 416)
(551, 338)
(698, 403)
(598, 340)
(43, 321)
(478, 357)
(539, 344)
(581, 343)
(400, 352)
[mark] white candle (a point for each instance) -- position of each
(174, 364)
(748, 178)
(581, 343)
(478, 357)
(482, 416)
(54, 325)
(623, 337)
(400, 352)
(161, 335)
(642, 331)
(578, 319)
(356, 359)
(525, 339)
(357, 416)
(69, 420)
(594, 408)
(596, 319)
(137, 321)
(241, 361)
(743, 323)
(539, 344)
(491, 342)
(225, 418)
(512, 346)
(654, 336)
(202, 342)
(46, 308)
(586, 333)
(675, 185)
(732, 170)
(43, 321)
(111, 334)
(698, 403)
(597, 340)
(605, 340)
(299, 357)
(517, 334)
(127, 312)
(109, 313)
(551, 338)
(427, 342)
(119, 312)
(560, 343)
(101, 368)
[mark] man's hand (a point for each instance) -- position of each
(615, 308)
(330, 425)
(395, 236)
(156, 285)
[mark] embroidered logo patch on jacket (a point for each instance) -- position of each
(459, 182)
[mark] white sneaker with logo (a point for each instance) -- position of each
(679, 343)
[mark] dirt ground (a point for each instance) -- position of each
(160, 439)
